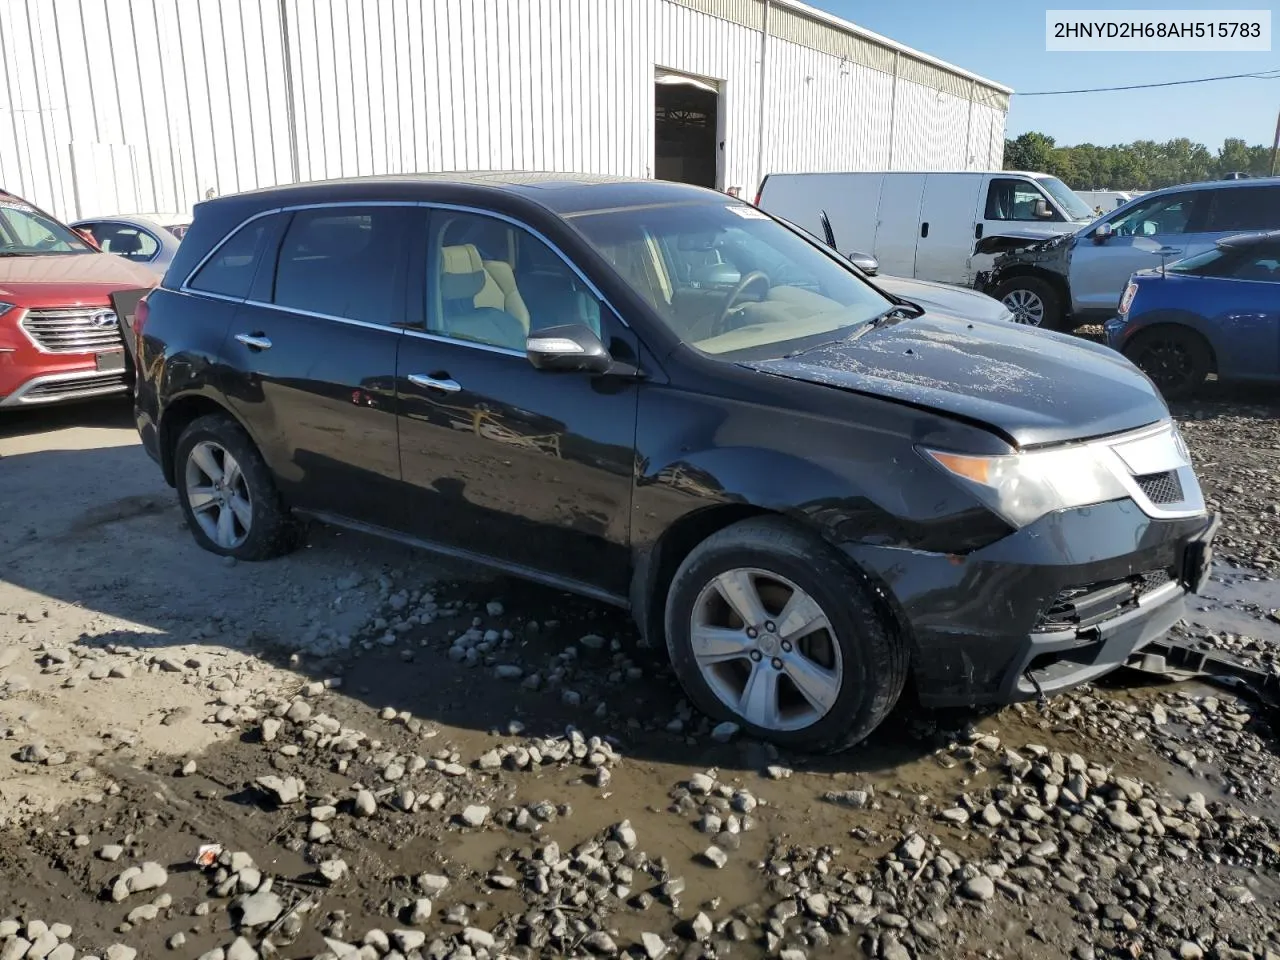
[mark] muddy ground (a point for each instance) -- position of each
(402, 759)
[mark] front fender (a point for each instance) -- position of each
(879, 498)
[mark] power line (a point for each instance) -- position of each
(1264, 75)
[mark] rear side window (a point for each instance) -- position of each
(122, 239)
(346, 262)
(229, 272)
(1241, 209)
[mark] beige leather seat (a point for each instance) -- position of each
(499, 291)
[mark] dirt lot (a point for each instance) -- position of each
(406, 760)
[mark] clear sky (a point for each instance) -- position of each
(1004, 40)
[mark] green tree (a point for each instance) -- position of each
(1141, 165)
(1030, 151)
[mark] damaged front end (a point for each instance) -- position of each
(1016, 252)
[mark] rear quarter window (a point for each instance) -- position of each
(1241, 209)
(231, 269)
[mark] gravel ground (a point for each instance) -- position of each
(356, 752)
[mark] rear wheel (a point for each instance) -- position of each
(1176, 359)
(768, 627)
(1033, 301)
(227, 492)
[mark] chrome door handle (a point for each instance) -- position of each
(254, 342)
(421, 380)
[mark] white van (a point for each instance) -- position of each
(931, 226)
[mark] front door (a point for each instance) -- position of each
(312, 354)
(530, 469)
(1101, 267)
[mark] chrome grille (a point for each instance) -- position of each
(73, 329)
(1161, 488)
(80, 386)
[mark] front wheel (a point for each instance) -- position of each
(1033, 302)
(1176, 359)
(768, 627)
(227, 492)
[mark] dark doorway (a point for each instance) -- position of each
(686, 127)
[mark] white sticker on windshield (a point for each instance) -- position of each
(747, 212)
(16, 205)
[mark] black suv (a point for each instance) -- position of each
(663, 398)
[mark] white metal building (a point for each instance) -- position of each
(111, 106)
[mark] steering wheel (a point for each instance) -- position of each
(731, 299)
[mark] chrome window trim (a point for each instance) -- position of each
(456, 341)
(298, 311)
(185, 286)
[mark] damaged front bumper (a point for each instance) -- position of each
(1056, 604)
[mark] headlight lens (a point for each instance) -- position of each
(5, 307)
(1023, 487)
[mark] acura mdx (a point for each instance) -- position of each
(661, 397)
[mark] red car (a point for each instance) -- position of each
(60, 338)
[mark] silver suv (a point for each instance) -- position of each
(1078, 278)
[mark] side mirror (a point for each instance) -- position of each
(864, 262)
(1042, 211)
(569, 347)
(1102, 233)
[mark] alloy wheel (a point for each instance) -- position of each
(766, 649)
(218, 494)
(1027, 308)
(1168, 362)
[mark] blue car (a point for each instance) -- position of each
(1217, 312)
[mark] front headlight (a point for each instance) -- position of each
(1023, 487)
(5, 307)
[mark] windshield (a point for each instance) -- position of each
(726, 277)
(1067, 198)
(25, 232)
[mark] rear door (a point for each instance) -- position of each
(531, 469)
(1245, 312)
(898, 223)
(311, 359)
(1100, 267)
(948, 224)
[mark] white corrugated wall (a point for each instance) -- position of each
(148, 105)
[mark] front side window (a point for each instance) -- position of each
(344, 262)
(125, 241)
(727, 278)
(1009, 199)
(1169, 214)
(231, 269)
(1241, 209)
(25, 232)
(492, 282)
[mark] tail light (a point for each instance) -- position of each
(1126, 301)
(139, 321)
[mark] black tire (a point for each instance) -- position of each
(1177, 359)
(272, 530)
(873, 653)
(1035, 289)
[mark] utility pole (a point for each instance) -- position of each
(1275, 146)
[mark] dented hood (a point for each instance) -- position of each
(1032, 386)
